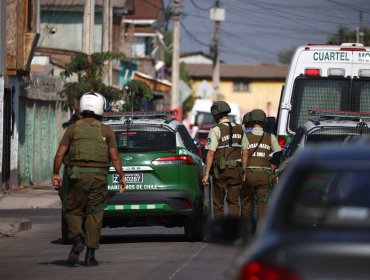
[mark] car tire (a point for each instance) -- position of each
(194, 226)
(64, 226)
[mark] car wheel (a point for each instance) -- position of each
(64, 225)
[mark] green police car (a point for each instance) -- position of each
(163, 170)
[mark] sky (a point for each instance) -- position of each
(254, 31)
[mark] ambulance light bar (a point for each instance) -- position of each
(312, 72)
(339, 72)
(340, 114)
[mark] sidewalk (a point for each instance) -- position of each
(25, 197)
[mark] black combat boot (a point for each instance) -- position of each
(78, 247)
(90, 257)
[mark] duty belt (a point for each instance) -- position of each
(228, 146)
(74, 172)
(259, 169)
(93, 170)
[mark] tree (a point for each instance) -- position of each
(285, 56)
(344, 34)
(89, 71)
(135, 91)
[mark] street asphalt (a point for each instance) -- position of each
(25, 197)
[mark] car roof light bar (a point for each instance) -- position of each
(139, 114)
(339, 114)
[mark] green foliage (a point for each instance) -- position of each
(345, 35)
(135, 91)
(286, 55)
(89, 70)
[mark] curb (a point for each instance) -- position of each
(10, 225)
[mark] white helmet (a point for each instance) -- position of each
(92, 102)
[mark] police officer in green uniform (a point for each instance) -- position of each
(88, 146)
(259, 172)
(227, 155)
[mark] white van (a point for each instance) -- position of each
(323, 77)
(200, 115)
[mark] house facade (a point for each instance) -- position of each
(249, 85)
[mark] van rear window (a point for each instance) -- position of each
(317, 93)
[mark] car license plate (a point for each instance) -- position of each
(130, 178)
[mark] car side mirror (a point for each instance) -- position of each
(229, 231)
(276, 158)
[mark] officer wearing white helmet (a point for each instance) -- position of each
(227, 156)
(259, 172)
(86, 149)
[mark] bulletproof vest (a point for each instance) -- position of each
(88, 143)
(260, 156)
(231, 149)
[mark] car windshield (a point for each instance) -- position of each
(332, 93)
(331, 198)
(144, 138)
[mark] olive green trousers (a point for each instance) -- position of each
(255, 192)
(226, 183)
(85, 203)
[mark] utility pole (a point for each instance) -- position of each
(216, 15)
(107, 38)
(176, 55)
(361, 30)
(88, 27)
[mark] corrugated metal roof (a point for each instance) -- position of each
(253, 71)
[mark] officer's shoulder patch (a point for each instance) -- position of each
(209, 141)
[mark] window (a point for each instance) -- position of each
(241, 86)
(331, 198)
(143, 46)
(317, 93)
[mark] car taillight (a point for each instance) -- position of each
(281, 141)
(182, 159)
(263, 271)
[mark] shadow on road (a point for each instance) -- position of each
(140, 238)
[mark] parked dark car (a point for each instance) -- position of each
(325, 126)
(318, 221)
